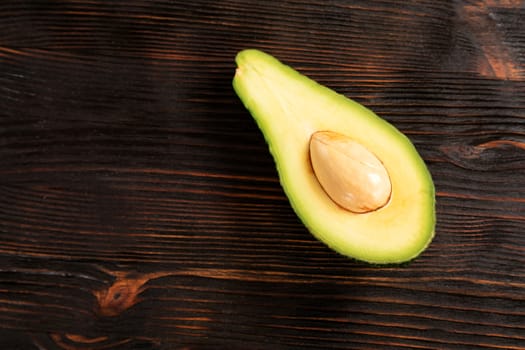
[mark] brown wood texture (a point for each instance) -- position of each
(140, 207)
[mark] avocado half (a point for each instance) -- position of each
(288, 108)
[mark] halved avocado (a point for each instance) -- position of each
(288, 108)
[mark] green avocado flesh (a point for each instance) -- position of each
(288, 108)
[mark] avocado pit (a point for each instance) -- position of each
(351, 175)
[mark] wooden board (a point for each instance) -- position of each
(140, 207)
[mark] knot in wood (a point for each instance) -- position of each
(120, 296)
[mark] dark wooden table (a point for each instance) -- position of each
(140, 207)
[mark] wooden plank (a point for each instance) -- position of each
(140, 207)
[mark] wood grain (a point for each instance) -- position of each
(140, 207)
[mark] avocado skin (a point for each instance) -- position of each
(288, 107)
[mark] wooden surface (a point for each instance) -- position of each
(140, 208)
